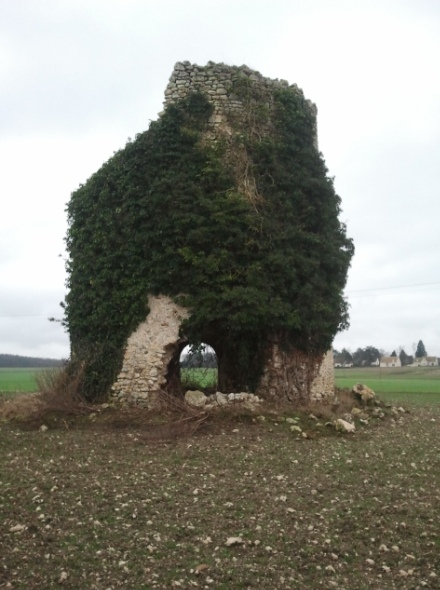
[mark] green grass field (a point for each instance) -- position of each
(420, 385)
(18, 380)
(414, 384)
(198, 377)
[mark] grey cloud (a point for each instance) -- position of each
(78, 77)
(69, 72)
(391, 319)
(33, 336)
(24, 322)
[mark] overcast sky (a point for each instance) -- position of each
(78, 77)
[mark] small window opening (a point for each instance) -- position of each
(198, 368)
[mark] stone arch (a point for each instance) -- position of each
(199, 367)
(151, 363)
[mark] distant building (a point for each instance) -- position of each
(390, 361)
(341, 363)
(425, 361)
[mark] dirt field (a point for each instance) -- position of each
(98, 506)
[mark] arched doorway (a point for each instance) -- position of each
(199, 367)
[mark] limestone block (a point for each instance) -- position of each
(195, 398)
(221, 398)
(344, 426)
(364, 393)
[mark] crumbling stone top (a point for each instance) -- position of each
(232, 90)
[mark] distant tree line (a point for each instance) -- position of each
(366, 357)
(12, 361)
(199, 357)
(362, 357)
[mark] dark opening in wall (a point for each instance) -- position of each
(198, 368)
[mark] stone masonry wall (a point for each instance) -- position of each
(148, 353)
(293, 377)
(155, 342)
(323, 386)
(225, 86)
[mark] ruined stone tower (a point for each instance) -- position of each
(241, 98)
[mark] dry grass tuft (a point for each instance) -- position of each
(61, 393)
(19, 408)
(57, 401)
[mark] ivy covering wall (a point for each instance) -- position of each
(167, 215)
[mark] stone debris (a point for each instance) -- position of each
(364, 393)
(344, 426)
(195, 398)
(221, 398)
(232, 541)
(198, 399)
(348, 417)
(18, 528)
